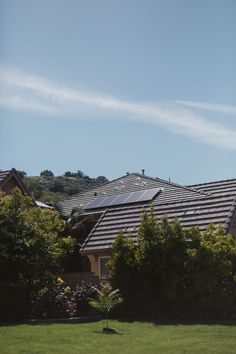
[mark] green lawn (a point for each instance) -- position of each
(134, 337)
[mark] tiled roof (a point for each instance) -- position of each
(215, 204)
(217, 188)
(128, 183)
(191, 212)
(3, 175)
(195, 205)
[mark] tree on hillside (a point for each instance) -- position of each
(80, 174)
(22, 174)
(68, 174)
(101, 180)
(30, 253)
(34, 187)
(47, 173)
(51, 189)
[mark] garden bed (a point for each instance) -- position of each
(83, 319)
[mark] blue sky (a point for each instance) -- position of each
(113, 86)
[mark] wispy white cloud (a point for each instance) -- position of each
(22, 91)
(213, 107)
(19, 103)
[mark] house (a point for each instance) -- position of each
(119, 204)
(9, 180)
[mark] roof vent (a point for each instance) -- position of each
(127, 173)
(143, 172)
(95, 194)
(191, 212)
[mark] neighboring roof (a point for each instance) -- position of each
(43, 205)
(5, 176)
(128, 183)
(215, 204)
(217, 187)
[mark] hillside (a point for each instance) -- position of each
(50, 189)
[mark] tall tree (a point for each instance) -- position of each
(176, 272)
(30, 252)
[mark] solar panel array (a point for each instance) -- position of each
(125, 198)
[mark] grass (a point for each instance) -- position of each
(134, 338)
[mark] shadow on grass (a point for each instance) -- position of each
(47, 322)
(155, 322)
(168, 322)
(109, 334)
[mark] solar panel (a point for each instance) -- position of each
(125, 198)
(121, 199)
(106, 201)
(134, 197)
(149, 194)
(94, 204)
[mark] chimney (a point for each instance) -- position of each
(143, 172)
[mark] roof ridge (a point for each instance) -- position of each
(222, 180)
(171, 183)
(8, 173)
(135, 174)
(88, 190)
(209, 196)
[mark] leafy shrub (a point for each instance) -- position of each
(13, 301)
(55, 302)
(107, 299)
(59, 301)
(30, 253)
(176, 272)
(81, 296)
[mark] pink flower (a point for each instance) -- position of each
(74, 306)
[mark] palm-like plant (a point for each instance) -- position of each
(106, 301)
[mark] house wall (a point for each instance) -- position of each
(94, 260)
(232, 228)
(10, 185)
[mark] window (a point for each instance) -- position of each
(104, 272)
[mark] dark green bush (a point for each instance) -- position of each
(81, 296)
(13, 301)
(60, 301)
(31, 252)
(173, 272)
(53, 302)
